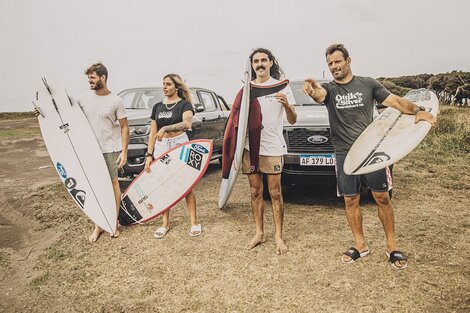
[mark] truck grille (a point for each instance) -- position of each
(297, 140)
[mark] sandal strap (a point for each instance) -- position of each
(161, 231)
(397, 256)
(353, 253)
(196, 228)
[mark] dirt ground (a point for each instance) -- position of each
(47, 264)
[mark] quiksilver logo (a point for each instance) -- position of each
(378, 157)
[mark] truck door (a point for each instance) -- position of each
(213, 119)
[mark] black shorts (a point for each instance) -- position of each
(350, 185)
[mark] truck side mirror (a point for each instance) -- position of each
(198, 107)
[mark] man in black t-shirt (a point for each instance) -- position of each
(350, 103)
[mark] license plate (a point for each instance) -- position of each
(317, 160)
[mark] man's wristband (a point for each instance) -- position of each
(419, 108)
(148, 154)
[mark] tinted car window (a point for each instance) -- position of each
(141, 99)
(194, 97)
(208, 101)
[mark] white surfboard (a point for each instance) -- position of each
(226, 186)
(173, 175)
(391, 136)
(76, 154)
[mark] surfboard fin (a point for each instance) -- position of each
(39, 109)
(50, 92)
(44, 81)
(70, 99)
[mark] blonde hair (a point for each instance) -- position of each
(182, 89)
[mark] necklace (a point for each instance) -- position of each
(172, 106)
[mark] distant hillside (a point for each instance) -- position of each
(15, 115)
(452, 88)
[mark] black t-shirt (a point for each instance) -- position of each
(351, 108)
(170, 114)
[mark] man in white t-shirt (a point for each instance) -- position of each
(106, 114)
(272, 145)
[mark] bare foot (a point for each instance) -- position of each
(96, 234)
(281, 247)
(116, 234)
(257, 239)
(400, 264)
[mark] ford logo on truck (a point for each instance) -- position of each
(317, 139)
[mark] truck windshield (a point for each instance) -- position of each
(301, 98)
(141, 98)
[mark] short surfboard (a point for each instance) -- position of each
(173, 175)
(391, 136)
(76, 154)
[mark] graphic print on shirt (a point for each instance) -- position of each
(350, 100)
(165, 114)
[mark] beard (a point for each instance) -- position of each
(339, 74)
(98, 86)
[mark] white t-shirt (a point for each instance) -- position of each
(103, 114)
(272, 141)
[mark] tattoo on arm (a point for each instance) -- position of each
(182, 126)
(176, 127)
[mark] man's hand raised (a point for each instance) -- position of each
(313, 89)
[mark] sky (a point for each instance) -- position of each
(208, 42)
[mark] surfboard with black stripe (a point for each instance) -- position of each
(76, 154)
(391, 136)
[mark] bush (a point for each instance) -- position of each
(452, 132)
(394, 88)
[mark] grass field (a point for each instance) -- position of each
(47, 264)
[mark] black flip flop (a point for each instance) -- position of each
(397, 256)
(354, 254)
